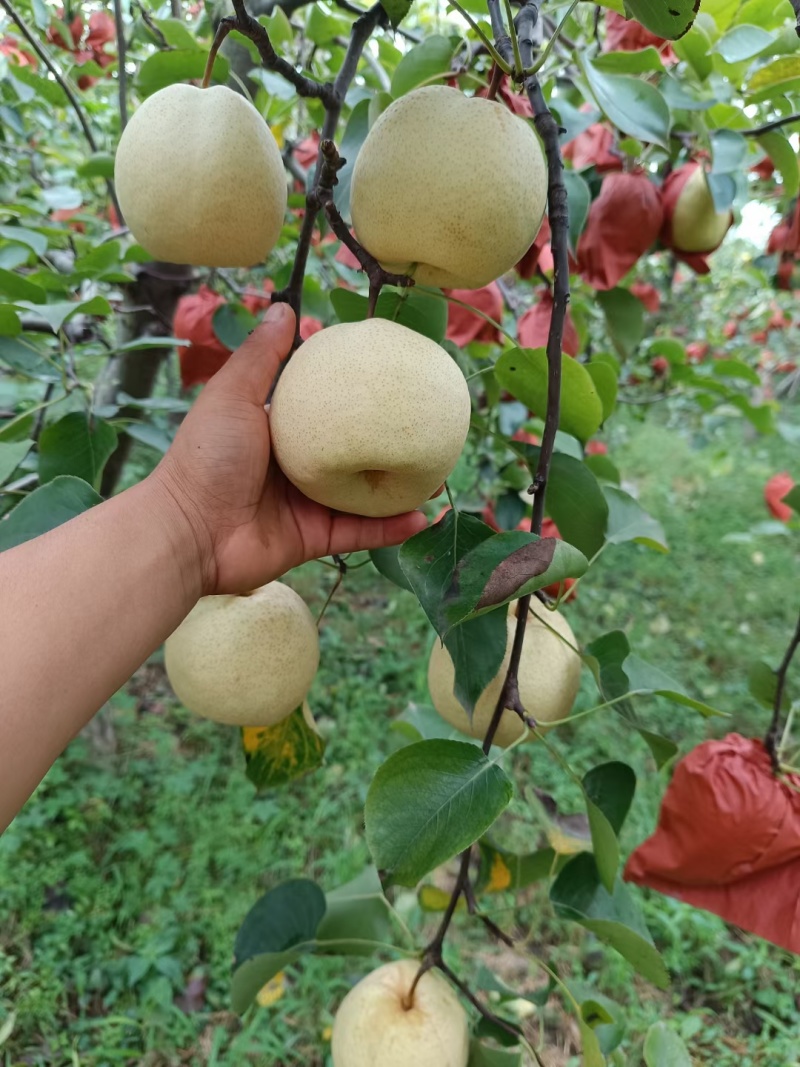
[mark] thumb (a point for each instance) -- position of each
(253, 366)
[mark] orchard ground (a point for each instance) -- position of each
(126, 877)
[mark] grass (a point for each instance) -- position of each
(124, 880)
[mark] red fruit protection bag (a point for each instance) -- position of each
(624, 221)
(728, 840)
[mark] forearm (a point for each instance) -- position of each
(63, 653)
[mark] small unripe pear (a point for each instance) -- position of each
(246, 660)
(697, 226)
(379, 1025)
(200, 178)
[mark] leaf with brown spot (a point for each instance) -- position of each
(505, 567)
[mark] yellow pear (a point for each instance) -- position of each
(246, 660)
(697, 226)
(448, 187)
(200, 178)
(376, 1026)
(549, 676)
(369, 417)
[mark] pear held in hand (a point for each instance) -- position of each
(377, 1026)
(449, 188)
(246, 660)
(200, 178)
(549, 676)
(369, 417)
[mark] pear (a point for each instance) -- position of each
(378, 1026)
(449, 188)
(549, 677)
(200, 178)
(697, 226)
(246, 660)
(369, 417)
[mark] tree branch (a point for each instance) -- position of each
(121, 72)
(489, 1015)
(786, 120)
(243, 22)
(796, 5)
(67, 89)
(771, 739)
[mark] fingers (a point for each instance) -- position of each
(255, 363)
(352, 533)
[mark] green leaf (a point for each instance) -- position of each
(275, 755)
(762, 682)
(102, 258)
(633, 106)
(608, 790)
(428, 802)
(695, 49)
(387, 563)
(742, 43)
(278, 27)
(77, 446)
(781, 151)
(578, 894)
(628, 521)
(233, 324)
(580, 198)
(642, 61)
(55, 315)
(396, 10)
(37, 242)
(645, 678)
(778, 78)
(279, 928)
(664, 1048)
(178, 35)
(605, 382)
(603, 469)
(355, 133)
(735, 368)
(425, 62)
(12, 454)
(483, 1056)
(624, 318)
(17, 287)
(523, 372)
(728, 151)
(45, 508)
(166, 68)
(792, 498)
(428, 561)
(23, 356)
(575, 501)
(357, 915)
(422, 312)
(666, 20)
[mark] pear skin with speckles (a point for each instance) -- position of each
(449, 188)
(369, 417)
(549, 677)
(200, 178)
(245, 660)
(379, 1024)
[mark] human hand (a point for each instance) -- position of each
(249, 523)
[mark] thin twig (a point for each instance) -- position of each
(786, 120)
(771, 739)
(147, 19)
(342, 567)
(121, 72)
(243, 22)
(488, 1015)
(796, 5)
(67, 89)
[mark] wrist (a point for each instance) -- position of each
(186, 531)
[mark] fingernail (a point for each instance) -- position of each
(276, 313)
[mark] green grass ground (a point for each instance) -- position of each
(124, 880)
